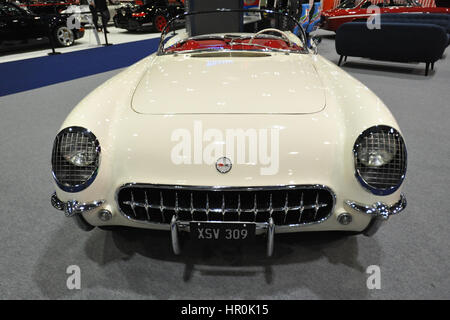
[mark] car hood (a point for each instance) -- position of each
(211, 84)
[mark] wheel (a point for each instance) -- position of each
(64, 36)
(159, 22)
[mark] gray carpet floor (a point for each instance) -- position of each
(37, 243)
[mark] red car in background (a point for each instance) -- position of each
(350, 10)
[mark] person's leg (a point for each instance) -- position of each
(105, 19)
(94, 17)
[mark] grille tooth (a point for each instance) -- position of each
(297, 207)
(239, 207)
(161, 205)
(255, 208)
(316, 207)
(132, 204)
(192, 207)
(270, 205)
(147, 206)
(176, 204)
(207, 207)
(286, 208)
(223, 207)
(301, 209)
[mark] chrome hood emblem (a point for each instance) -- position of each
(223, 165)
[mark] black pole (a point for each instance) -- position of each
(104, 23)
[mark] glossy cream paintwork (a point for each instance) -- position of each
(315, 147)
(243, 85)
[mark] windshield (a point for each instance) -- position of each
(233, 30)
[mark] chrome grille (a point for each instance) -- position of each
(286, 205)
(68, 176)
(386, 178)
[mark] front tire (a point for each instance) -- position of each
(64, 36)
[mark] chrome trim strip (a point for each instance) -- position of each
(228, 188)
(262, 52)
(73, 207)
(228, 53)
(207, 210)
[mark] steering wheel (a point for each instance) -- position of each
(272, 30)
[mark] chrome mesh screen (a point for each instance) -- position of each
(290, 205)
(71, 177)
(390, 175)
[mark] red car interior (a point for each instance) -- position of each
(235, 44)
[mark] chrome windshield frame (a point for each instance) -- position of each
(302, 34)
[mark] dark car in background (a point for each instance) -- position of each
(47, 6)
(20, 25)
(147, 14)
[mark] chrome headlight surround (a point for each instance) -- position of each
(385, 178)
(68, 175)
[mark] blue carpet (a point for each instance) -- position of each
(17, 76)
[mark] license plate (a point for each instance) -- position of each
(222, 231)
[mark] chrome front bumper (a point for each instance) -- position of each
(73, 207)
(379, 211)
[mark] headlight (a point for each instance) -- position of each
(378, 154)
(79, 158)
(380, 159)
(75, 158)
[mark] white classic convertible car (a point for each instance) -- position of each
(231, 133)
